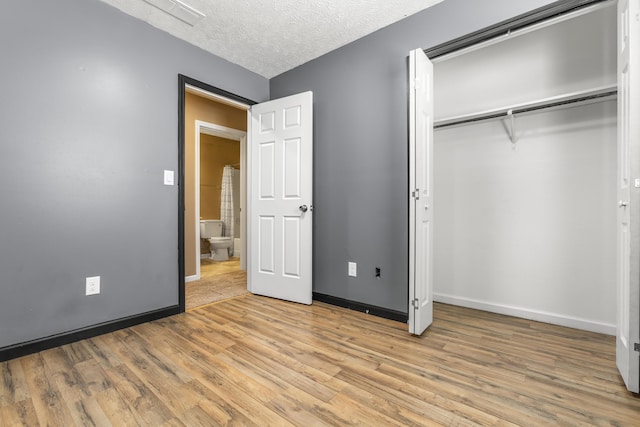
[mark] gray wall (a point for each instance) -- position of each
(360, 147)
(88, 106)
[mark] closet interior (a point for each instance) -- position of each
(525, 172)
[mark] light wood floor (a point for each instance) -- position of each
(219, 280)
(257, 361)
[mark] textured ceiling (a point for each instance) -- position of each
(270, 37)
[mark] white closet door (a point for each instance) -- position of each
(628, 226)
(280, 156)
(421, 192)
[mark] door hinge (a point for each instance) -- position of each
(416, 194)
(416, 303)
(636, 346)
(417, 83)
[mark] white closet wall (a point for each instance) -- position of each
(528, 229)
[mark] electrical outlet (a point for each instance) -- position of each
(378, 272)
(353, 269)
(93, 285)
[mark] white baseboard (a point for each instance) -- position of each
(192, 278)
(525, 313)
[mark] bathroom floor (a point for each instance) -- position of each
(219, 280)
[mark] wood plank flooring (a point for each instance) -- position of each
(257, 361)
(219, 280)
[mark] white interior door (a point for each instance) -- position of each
(628, 254)
(421, 192)
(280, 156)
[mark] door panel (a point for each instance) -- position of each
(292, 169)
(266, 246)
(291, 263)
(421, 192)
(628, 252)
(267, 170)
(280, 156)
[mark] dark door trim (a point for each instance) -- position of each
(183, 81)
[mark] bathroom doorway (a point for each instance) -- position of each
(214, 140)
(220, 189)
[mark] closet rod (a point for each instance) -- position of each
(556, 102)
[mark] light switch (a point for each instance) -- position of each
(168, 177)
(637, 183)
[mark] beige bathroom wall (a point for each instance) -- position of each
(215, 153)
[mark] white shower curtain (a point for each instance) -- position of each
(226, 200)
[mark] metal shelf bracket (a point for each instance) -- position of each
(511, 127)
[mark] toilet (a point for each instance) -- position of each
(211, 229)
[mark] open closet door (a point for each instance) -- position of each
(628, 227)
(420, 192)
(280, 159)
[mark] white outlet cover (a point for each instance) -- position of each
(353, 269)
(93, 285)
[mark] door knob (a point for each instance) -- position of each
(303, 208)
(622, 204)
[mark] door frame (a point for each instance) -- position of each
(532, 20)
(231, 134)
(520, 24)
(220, 95)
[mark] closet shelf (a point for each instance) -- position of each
(603, 93)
